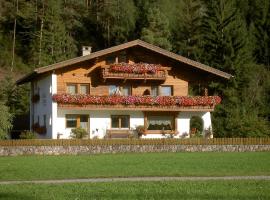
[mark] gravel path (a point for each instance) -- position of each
(137, 179)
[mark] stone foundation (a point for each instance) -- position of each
(99, 149)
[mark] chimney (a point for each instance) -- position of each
(86, 50)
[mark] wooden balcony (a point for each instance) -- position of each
(160, 75)
(142, 103)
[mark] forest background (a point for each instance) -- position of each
(230, 35)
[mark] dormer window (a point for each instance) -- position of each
(110, 60)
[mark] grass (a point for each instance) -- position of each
(123, 165)
(140, 190)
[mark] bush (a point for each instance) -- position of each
(28, 135)
(196, 122)
(78, 133)
(140, 130)
(5, 121)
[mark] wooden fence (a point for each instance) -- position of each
(85, 142)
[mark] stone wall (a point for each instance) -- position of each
(97, 149)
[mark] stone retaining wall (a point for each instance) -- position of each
(97, 149)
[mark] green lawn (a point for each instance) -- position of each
(123, 165)
(140, 190)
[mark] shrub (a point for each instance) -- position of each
(28, 135)
(78, 133)
(140, 130)
(5, 121)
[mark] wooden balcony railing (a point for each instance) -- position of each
(160, 74)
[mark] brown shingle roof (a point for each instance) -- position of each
(133, 43)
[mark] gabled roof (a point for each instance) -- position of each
(133, 43)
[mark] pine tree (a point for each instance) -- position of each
(114, 20)
(53, 43)
(188, 32)
(157, 32)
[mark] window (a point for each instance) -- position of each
(84, 88)
(116, 90)
(122, 57)
(71, 121)
(71, 88)
(113, 89)
(120, 121)
(166, 90)
(110, 60)
(160, 122)
(75, 121)
(154, 91)
(126, 90)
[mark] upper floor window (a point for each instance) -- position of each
(122, 57)
(110, 60)
(166, 91)
(71, 88)
(84, 88)
(120, 90)
(154, 91)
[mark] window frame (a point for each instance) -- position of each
(78, 87)
(78, 120)
(72, 84)
(120, 88)
(120, 122)
(163, 86)
(174, 121)
(84, 84)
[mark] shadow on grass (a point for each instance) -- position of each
(15, 196)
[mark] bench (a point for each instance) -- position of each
(118, 133)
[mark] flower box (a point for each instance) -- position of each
(164, 101)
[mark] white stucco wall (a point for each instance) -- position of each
(44, 105)
(183, 121)
(100, 121)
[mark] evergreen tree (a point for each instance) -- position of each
(157, 32)
(188, 32)
(114, 20)
(53, 43)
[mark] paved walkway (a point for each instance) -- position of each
(137, 179)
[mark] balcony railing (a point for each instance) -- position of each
(144, 103)
(135, 71)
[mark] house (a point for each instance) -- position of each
(113, 91)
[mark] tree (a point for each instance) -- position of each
(53, 43)
(5, 121)
(188, 31)
(157, 32)
(114, 20)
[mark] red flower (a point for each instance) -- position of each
(137, 68)
(179, 101)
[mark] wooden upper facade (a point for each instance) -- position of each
(93, 75)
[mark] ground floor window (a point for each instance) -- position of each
(160, 122)
(75, 121)
(120, 121)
